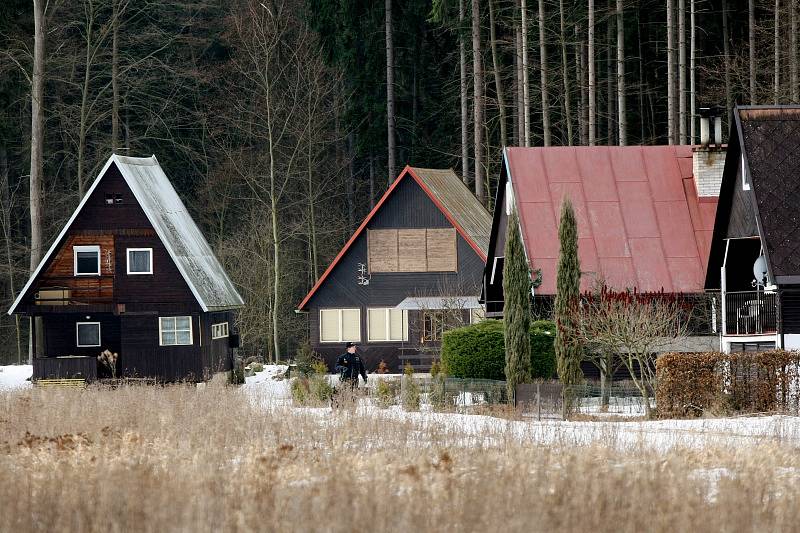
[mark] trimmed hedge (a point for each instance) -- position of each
(691, 384)
(478, 351)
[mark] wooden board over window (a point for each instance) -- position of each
(412, 255)
(382, 246)
(442, 255)
(412, 250)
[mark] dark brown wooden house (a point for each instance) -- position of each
(755, 251)
(412, 269)
(131, 273)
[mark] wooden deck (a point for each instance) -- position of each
(60, 368)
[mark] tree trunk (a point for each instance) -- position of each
(671, 133)
(84, 118)
(751, 42)
(37, 134)
(622, 121)
(351, 182)
(520, 95)
(390, 115)
(6, 214)
(795, 91)
(371, 181)
(526, 97)
(565, 72)
(611, 74)
(692, 75)
(580, 78)
(682, 71)
(115, 78)
(462, 57)
(477, 75)
(515, 121)
(592, 79)
(726, 58)
(776, 52)
(543, 71)
(498, 83)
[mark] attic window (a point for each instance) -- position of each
(412, 250)
(86, 260)
(112, 199)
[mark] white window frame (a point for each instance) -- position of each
(161, 331)
(78, 337)
(149, 265)
(386, 316)
(85, 248)
(340, 339)
(220, 330)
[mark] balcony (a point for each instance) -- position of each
(749, 313)
(62, 291)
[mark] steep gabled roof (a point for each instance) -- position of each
(449, 194)
(641, 223)
(172, 223)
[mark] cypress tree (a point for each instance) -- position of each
(516, 308)
(569, 351)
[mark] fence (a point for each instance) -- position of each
(544, 400)
(462, 395)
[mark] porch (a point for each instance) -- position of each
(748, 313)
(66, 367)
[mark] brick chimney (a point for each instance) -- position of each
(708, 159)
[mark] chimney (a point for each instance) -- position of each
(708, 158)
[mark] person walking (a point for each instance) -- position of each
(349, 365)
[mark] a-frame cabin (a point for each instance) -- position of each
(411, 270)
(130, 273)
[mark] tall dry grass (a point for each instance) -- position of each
(186, 459)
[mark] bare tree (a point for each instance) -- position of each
(526, 99)
(622, 120)
(751, 42)
(795, 89)
(726, 53)
(498, 82)
(692, 81)
(777, 54)
(592, 79)
(37, 133)
(391, 123)
(565, 72)
(477, 75)
(462, 63)
(636, 326)
(671, 85)
(543, 71)
(682, 71)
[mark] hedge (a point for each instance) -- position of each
(692, 384)
(478, 351)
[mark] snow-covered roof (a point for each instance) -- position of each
(178, 232)
(417, 303)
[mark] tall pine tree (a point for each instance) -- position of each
(516, 308)
(569, 350)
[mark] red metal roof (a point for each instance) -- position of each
(640, 221)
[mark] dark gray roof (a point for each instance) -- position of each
(459, 201)
(770, 141)
(172, 223)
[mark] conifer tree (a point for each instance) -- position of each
(569, 350)
(516, 307)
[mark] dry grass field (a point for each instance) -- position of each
(186, 459)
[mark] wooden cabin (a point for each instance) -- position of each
(644, 214)
(131, 273)
(755, 252)
(411, 270)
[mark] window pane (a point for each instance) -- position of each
(182, 322)
(167, 324)
(88, 334)
(329, 325)
(167, 337)
(183, 337)
(396, 323)
(351, 325)
(377, 324)
(139, 260)
(87, 262)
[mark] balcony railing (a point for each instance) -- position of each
(750, 313)
(59, 291)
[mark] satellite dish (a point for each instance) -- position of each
(760, 270)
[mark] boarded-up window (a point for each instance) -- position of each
(412, 250)
(387, 324)
(339, 325)
(382, 245)
(442, 250)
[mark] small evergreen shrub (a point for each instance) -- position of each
(437, 395)
(313, 389)
(409, 394)
(299, 390)
(257, 367)
(478, 351)
(385, 393)
(305, 358)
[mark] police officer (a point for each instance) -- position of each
(349, 365)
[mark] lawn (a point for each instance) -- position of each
(216, 458)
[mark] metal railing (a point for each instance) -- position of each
(750, 312)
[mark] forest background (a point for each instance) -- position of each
(280, 122)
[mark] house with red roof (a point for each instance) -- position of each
(411, 269)
(645, 216)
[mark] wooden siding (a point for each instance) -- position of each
(742, 221)
(65, 368)
(60, 334)
(790, 311)
(408, 207)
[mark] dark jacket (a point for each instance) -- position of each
(349, 366)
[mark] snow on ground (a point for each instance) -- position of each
(14, 376)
